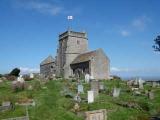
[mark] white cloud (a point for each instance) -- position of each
(26, 70)
(42, 7)
(115, 69)
(141, 22)
(124, 33)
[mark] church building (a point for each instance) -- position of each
(75, 60)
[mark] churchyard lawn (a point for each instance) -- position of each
(53, 101)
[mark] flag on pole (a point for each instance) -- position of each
(70, 17)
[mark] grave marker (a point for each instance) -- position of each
(96, 115)
(116, 92)
(80, 88)
(95, 87)
(90, 96)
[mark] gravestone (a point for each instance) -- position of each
(116, 92)
(101, 86)
(140, 82)
(90, 96)
(96, 115)
(77, 98)
(87, 77)
(7, 103)
(151, 95)
(95, 87)
(31, 75)
(80, 88)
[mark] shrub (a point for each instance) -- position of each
(11, 77)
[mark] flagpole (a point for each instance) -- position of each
(70, 18)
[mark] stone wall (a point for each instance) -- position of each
(100, 65)
(48, 70)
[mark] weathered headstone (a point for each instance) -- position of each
(101, 86)
(87, 77)
(140, 82)
(7, 103)
(96, 115)
(80, 88)
(31, 75)
(6, 106)
(77, 98)
(95, 87)
(116, 92)
(151, 95)
(90, 96)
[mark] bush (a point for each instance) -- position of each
(11, 77)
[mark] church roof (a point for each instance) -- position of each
(48, 60)
(85, 56)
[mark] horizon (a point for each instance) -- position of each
(126, 32)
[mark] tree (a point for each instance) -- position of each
(157, 43)
(15, 72)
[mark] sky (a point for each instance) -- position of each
(124, 29)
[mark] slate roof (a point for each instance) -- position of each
(85, 56)
(48, 60)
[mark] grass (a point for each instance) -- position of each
(51, 104)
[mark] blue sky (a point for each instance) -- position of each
(124, 29)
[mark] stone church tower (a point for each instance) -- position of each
(71, 44)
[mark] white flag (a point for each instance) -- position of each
(70, 17)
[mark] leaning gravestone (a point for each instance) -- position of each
(95, 87)
(96, 115)
(116, 92)
(80, 88)
(90, 96)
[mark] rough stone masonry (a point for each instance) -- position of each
(73, 58)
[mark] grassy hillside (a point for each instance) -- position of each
(51, 103)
